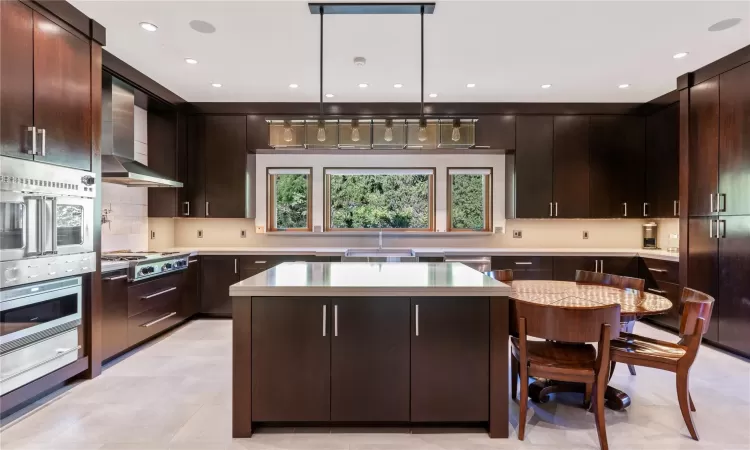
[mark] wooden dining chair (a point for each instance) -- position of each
(566, 353)
(674, 357)
(501, 275)
(618, 281)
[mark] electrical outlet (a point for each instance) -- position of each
(259, 229)
(243, 234)
(153, 234)
(585, 234)
(200, 234)
(517, 234)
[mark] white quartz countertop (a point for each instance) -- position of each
(437, 251)
(369, 280)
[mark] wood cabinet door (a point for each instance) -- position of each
(703, 151)
(114, 313)
(62, 95)
(533, 167)
(734, 141)
(617, 175)
(190, 299)
(450, 359)
(703, 265)
(217, 274)
(619, 265)
(566, 266)
(496, 132)
(16, 79)
(291, 359)
(225, 160)
(370, 359)
(162, 158)
(571, 167)
(192, 195)
(662, 162)
(734, 287)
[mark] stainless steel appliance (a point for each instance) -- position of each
(478, 263)
(38, 330)
(650, 231)
(150, 264)
(46, 221)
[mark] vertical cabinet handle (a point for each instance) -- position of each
(721, 229)
(186, 209)
(711, 228)
(324, 320)
(555, 209)
(416, 320)
(601, 265)
(596, 265)
(550, 209)
(336, 320)
(207, 213)
(625, 204)
(43, 132)
(235, 265)
(32, 149)
(722, 202)
(645, 214)
(674, 208)
(711, 197)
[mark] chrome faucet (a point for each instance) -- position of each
(380, 240)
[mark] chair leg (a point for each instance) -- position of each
(631, 368)
(611, 369)
(513, 377)
(692, 405)
(587, 395)
(523, 401)
(599, 414)
(683, 397)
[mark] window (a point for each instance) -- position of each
(396, 199)
(469, 199)
(289, 199)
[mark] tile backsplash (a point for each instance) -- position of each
(126, 208)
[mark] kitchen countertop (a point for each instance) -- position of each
(111, 266)
(306, 279)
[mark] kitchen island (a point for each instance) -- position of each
(370, 344)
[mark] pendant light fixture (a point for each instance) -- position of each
(422, 133)
(456, 133)
(355, 130)
(288, 135)
(321, 123)
(388, 135)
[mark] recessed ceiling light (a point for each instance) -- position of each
(624, 86)
(679, 55)
(363, 85)
(216, 84)
(202, 26)
(191, 61)
(471, 85)
(725, 24)
(148, 26)
(398, 85)
(330, 95)
(546, 86)
(294, 86)
(433, 95)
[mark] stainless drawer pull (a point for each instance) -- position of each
(192, 261)
(154, 322)
(235, 265)
(207, 214)
(416, 320)
(261, 262)
(523, 263)
(324, 320)
(336, 320)
(159, 293)
(59, 353)
(658, 270)
(657, 291)
(118, 277)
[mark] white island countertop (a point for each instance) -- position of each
(293, 279)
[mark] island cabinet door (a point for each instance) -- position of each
(291, 359)
(450, 359)
(370, 360)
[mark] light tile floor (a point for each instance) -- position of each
(175, 394)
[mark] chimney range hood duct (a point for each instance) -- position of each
(118, 139)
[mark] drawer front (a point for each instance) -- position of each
(151, 322)
(660, 270)
(533, 275)
(523, 263)
(26, 364)
(144, 296)
(670, 319)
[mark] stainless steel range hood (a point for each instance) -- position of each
(118, 139)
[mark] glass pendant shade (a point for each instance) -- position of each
(355, 130)
(456, 134)
(422, 135)
(288, 135)
(321, 131)
(388, 134)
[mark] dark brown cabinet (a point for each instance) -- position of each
(703, 151)
(192, 197)
(703, 265)
(566, 266)
(734, 287)
(526, 267)
(291, 359)
(662, 162)
(217, 274)
(370, 365)
(532, 168)
(162, 158)
(449, 360)
(734, 142)
(496, 132)
(571, 167)
(190, 301)
(225, 161)
(45, 70)
(114, 313)
(662, 278)
(616, 172)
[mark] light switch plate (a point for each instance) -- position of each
(585, 234)
(260, 229)
(243, 233)
(200, 234)
(517, 234)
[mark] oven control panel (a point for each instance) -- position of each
(151, 268)
(32, 270)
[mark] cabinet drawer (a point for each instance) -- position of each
(144, 296)
(660, 270)
(672, 292)
(151, 322)
(523, 263)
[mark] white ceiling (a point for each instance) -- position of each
(584, 49)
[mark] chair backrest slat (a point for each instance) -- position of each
(501, 275)
(598, 278)
(695, 304)
(636, 284)
(567, 324)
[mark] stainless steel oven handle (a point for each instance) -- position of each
(53, 226)
(43, 132)
(154, 322)
(42, 224)
(32, 150)
(159, 293)
(58, 354)
(118, 277)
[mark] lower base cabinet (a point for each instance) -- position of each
(114, 313)
(370, 359)
(217, 274)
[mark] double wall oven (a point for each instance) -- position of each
(46, 246)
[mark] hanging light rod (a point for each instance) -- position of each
(371, 8)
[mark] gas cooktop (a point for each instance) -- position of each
(143, 265)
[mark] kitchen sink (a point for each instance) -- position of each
(379, 255)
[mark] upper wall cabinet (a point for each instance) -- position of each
(616, 173)
(495, 132)
(662, 162)
(571, 167)
(163, 158)
(45, 85)
(703, 178)
(734, 142)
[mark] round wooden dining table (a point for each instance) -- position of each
(633, 306)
